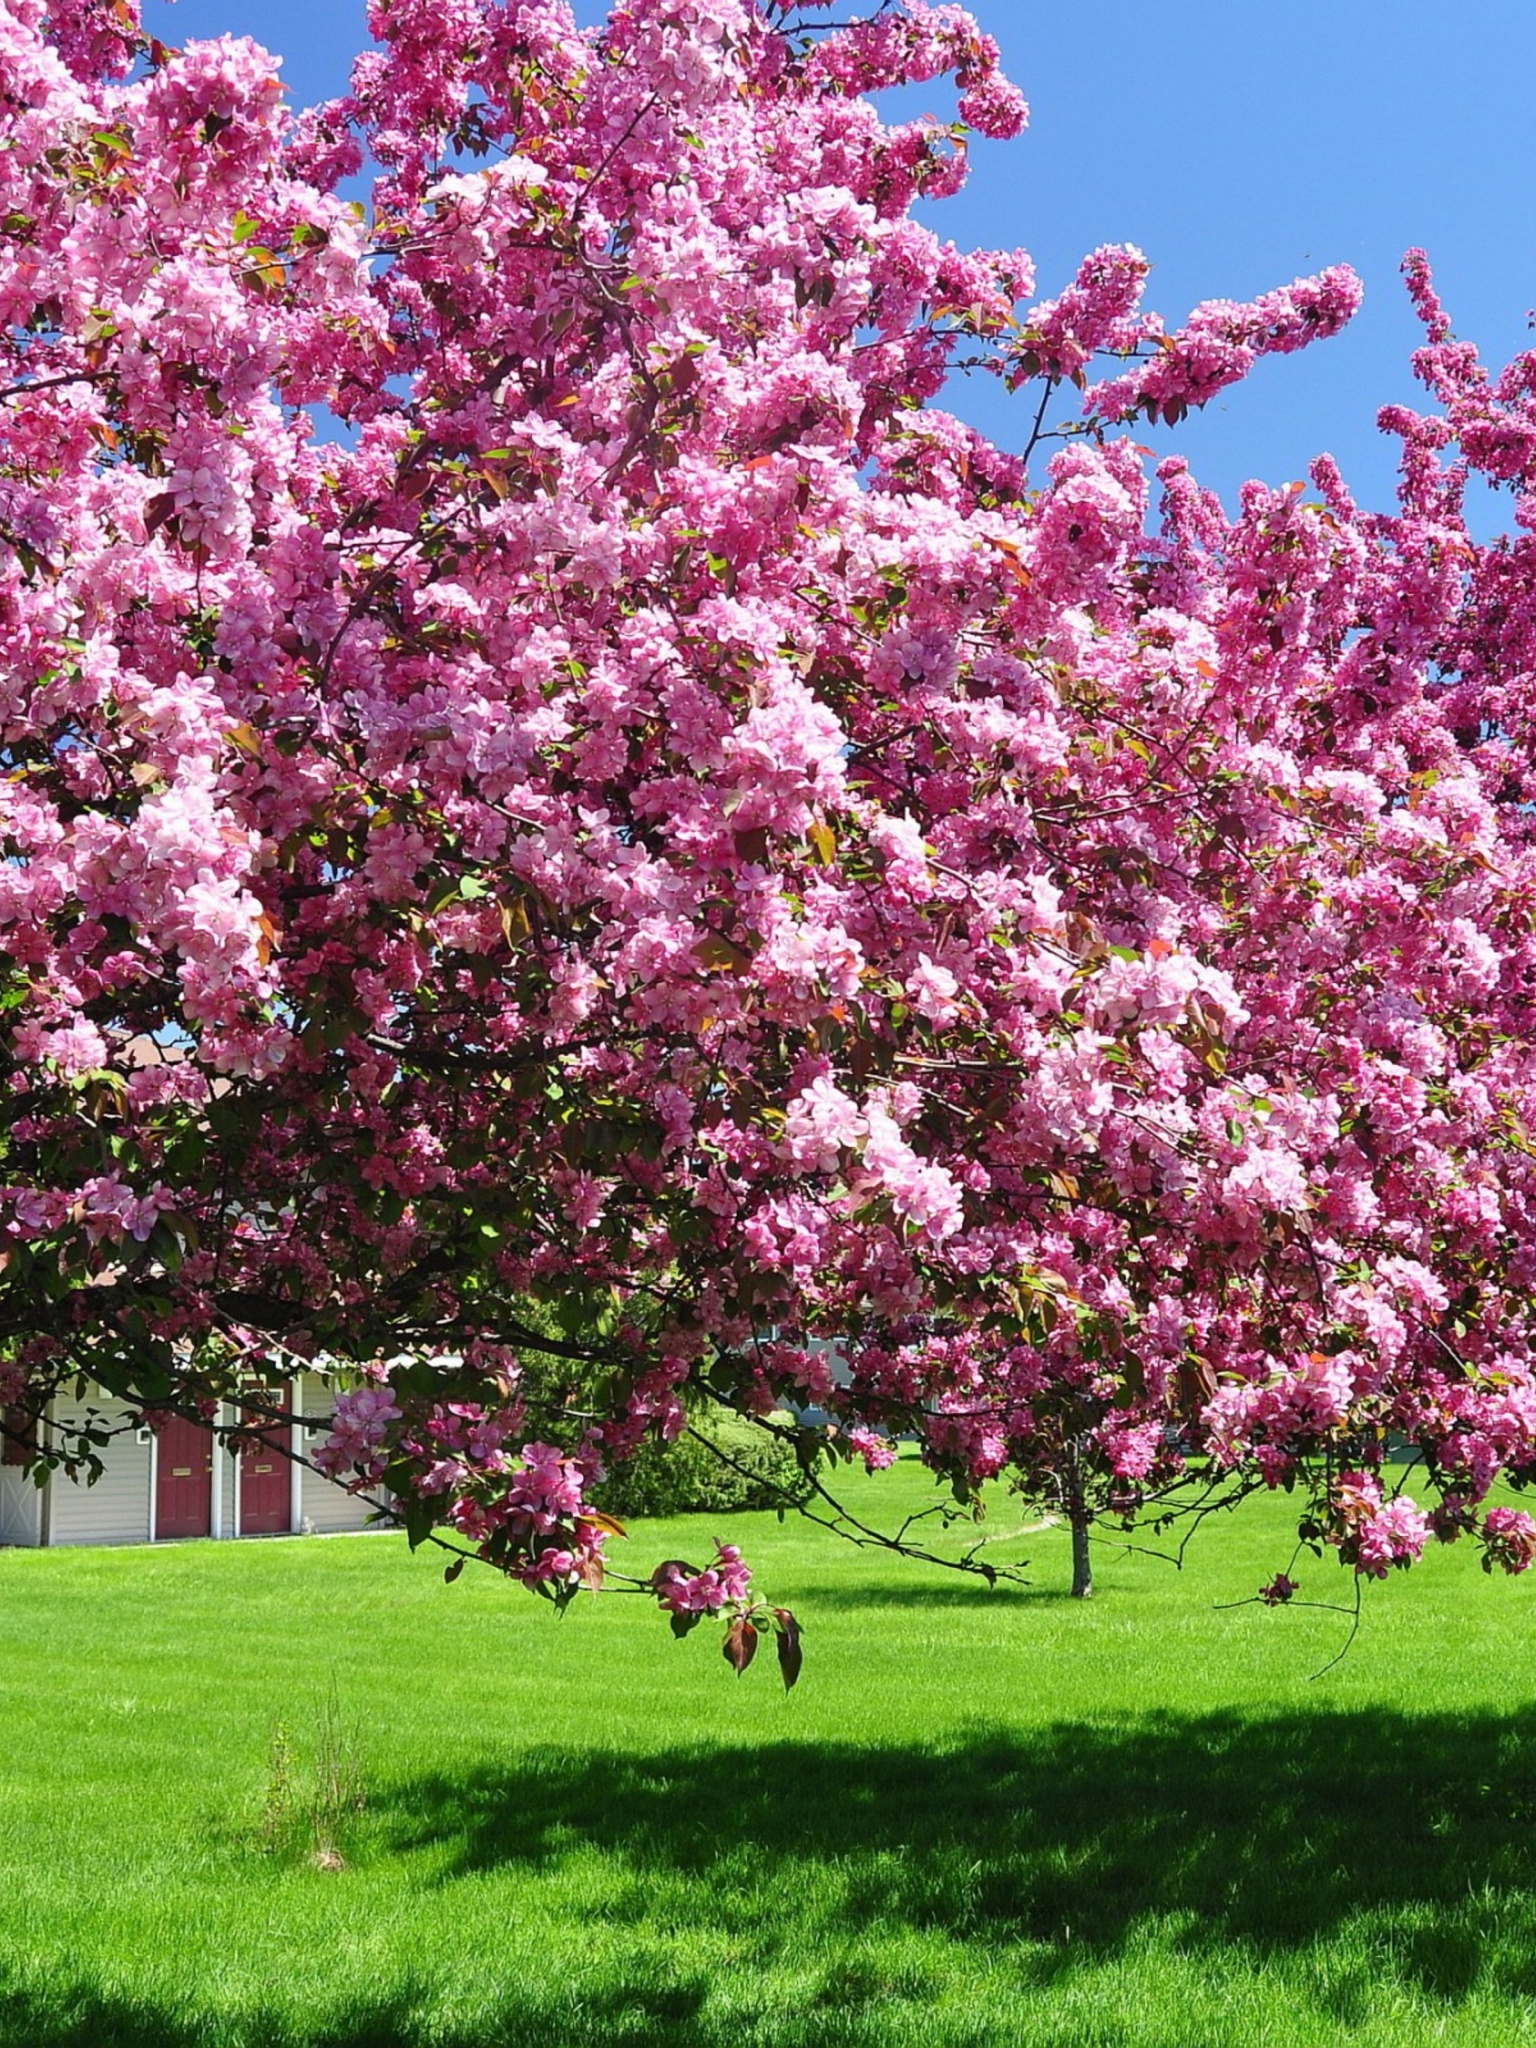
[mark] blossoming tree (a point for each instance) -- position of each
(644, 857)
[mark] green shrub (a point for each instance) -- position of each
(688, 1477)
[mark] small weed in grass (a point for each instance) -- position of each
(277, 1808)
(307, 1809)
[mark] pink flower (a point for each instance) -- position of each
(112, 1210)
(1269, 1177)
(819, 1123)
(1509, 1540)
(926, 1195)
(359, 1424)
(899, 841)
(549, 1486)
(1133, 1452)
(932, 990)
(1394, 1535)
(1098, 310)
(681, 1590)
(76, 1048)
(877, 1451)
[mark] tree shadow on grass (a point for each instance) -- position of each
(1238, 1844)
(76, 2016)
(1267, 1833)
(84, 2016)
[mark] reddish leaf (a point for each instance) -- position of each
(720, 954)
(516, 925)
(591, 1573)
(740, 1645)
(790, 1653)
(157, 511)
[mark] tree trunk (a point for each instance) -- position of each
(1082, 1570)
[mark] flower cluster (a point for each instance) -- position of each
(1509, 1540)
(682, 1590)
(359, 1424)
(1374, 1534)
(1220, 343)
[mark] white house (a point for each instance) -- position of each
(175, 1480)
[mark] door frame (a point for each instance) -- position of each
(237, 1489)
(154, 1490)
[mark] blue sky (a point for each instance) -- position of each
(1240, 145)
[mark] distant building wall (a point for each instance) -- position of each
(21, 1508)
(120, 1507)
(325, 1509)
(117, 1508)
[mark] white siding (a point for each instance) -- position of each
(325, 1509)
(116, 1508)
(21, 1504)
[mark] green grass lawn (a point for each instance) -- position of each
(982, 1818)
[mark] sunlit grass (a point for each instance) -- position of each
(982, 1818)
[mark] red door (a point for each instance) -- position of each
(264, 1480)
(183, 1478)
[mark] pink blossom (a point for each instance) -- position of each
(112, 1210)
(682, 1590)
(1509, 1539)
(926, 1195)
(359, 1425)
(877, 1451)
(75, 1048)
(932, 990)
(1394, 1535)
(821, 1121)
